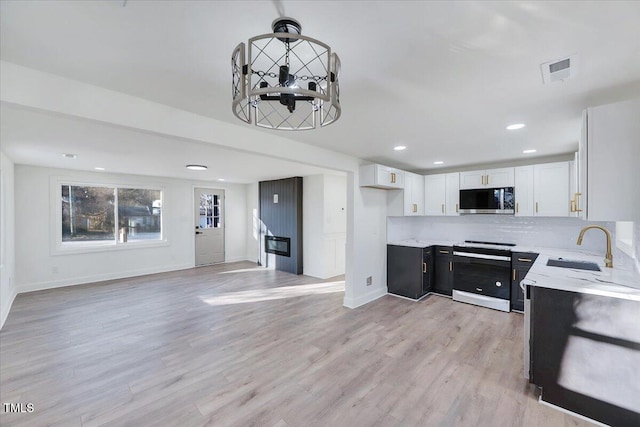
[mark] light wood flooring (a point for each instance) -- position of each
(237, 345)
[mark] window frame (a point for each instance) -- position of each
(58, 247)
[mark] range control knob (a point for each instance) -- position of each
(498, 284)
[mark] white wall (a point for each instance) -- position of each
(7, 240)
(253, 226)
(38, 266)
(324, 225)
(313, 226)
(366, 243)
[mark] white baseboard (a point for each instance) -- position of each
(364, 299)
(40, 286)
(7, 307)
(566, 411)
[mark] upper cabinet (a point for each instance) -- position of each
(523, 188)
(551, 189)
(413, 194)
(608, 163)
(542, 190)
(435, 194)
(442, 194)
(490, 178)
(380, 176)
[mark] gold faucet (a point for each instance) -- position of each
(608, 258)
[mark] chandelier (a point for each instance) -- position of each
(287, 82)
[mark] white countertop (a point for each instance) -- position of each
(617, 282)
(621, 281)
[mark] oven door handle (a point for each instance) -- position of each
(482, 256)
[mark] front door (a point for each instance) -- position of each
(209, 213)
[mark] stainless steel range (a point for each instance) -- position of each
(481, 274)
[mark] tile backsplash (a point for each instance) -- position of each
(530, 231)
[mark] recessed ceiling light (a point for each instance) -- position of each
(220, 179)
(400, 147)
(69, 156)
(197, 167)
(515, 126)
(99, 168)
(529, 151)
(439, 162)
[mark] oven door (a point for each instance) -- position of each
(482, 274)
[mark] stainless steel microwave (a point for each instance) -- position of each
(488, 201)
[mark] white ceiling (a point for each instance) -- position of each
(442, 78)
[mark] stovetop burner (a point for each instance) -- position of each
(489, 243)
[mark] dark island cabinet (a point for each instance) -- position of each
(409, 271)
(521, 263)
(443, 265)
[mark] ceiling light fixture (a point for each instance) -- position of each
(98, 168)
(515, 126)
(438, 162)
(197, 167)
(400, 147)
(529, 151)
(221, 179)
(287, 81)
(69, 156)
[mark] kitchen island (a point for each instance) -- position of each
(584, 343)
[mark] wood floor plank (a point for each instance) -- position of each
(239, 345)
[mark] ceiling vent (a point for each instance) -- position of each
(559, 70)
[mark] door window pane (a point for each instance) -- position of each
(139, 214)
(210, 209)
(87, 213)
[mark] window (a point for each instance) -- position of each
(98, 215)
(210, 211)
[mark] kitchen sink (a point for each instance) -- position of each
(572, 263)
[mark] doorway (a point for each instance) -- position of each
(209, 220)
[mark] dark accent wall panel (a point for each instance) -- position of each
(283, 219)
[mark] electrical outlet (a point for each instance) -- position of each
(369, 281)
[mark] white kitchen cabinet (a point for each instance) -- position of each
(489, 178)
(523, 188)
(608, 163)
(379, 176)
(452, 196)
(435, 194)
(551, 189)
(413, 194)
(442, 194)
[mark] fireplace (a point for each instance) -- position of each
(277, 245)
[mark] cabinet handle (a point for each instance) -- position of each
(479, 289)
(415, 207)
(456, 208)
(517, 207)
(443, 251)
(482, 179)
(572, 206)
(443, 208)
(524, 259)
(536, 207)
(487, 179)
(450, 266)
(393, 178)
(424, 267)
(575, 202)
(514, 275)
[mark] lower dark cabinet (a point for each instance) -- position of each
(443, 265)
(575, 349)
(409, 271)
(521, 263)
